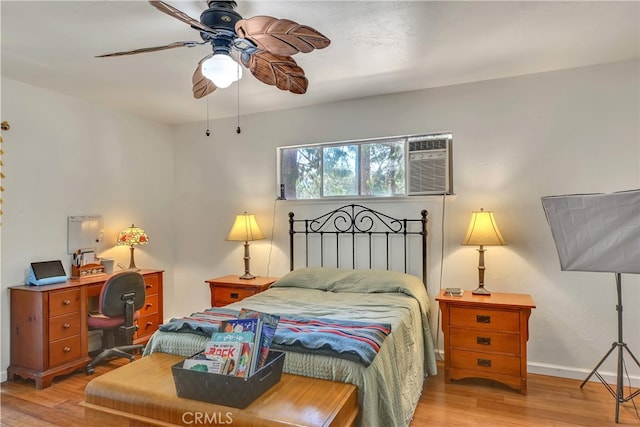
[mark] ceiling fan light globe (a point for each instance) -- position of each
(222, 70)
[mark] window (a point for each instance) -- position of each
(364, 168)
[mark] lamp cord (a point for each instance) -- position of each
(442, 237)
(273, 228)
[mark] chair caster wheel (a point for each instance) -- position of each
(90, 371)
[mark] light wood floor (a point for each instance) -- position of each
(551, 402)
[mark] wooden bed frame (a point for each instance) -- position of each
(350, 224)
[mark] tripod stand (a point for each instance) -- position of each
(621, 346)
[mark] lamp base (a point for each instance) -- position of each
(132, 262)
(481, 290)
(247, 276)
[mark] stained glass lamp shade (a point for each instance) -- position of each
(132, 237)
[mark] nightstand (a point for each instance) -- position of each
(486, 337)
(228, 289)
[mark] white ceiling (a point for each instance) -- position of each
(378, 47)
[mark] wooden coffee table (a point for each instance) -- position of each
(142, 393)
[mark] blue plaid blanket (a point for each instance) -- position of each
(351, 340)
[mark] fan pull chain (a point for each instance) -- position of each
(238, 130)
(207, 132)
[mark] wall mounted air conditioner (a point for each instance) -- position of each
(429, 165)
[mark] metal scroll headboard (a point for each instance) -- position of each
(357, 222)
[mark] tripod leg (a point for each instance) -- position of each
(631, 354)
(619, 382)
(613, 346)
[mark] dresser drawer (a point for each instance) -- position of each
(64, 350)
(223, 295)
(485, 362)
(151, 283)
(64, 326)
(147, 325)
(150, 305)
(63, 302)
(488, 341)
(485, 319)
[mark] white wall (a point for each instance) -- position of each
(515, 140)
(65, 157)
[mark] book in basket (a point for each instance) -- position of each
(247, 341)
(264, 338)
(229, 351)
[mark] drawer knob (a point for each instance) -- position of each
(148, 286)
(66, 326)
(66, 349)
(234, 295)
(481, 318)
(149, 324)
(485, 363)
(149, 304)
(483, 340)
(66, 302)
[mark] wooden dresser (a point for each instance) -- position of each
(227, 289)
(486, 337)
(49, 325)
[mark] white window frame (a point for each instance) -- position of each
(404, 139)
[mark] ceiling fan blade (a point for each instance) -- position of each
(202, 86)
(280, 36)
(172, 11)
(152, 49)
(277, 70)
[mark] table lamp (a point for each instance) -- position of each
(132, 236)
(483, 231)
(245, 229)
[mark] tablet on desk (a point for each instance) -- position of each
(46, 273)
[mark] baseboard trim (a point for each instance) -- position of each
(580, 374)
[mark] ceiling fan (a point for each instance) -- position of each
(264, 45)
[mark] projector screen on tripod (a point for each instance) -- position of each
(596, 232)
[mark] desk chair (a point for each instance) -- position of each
(121, 298)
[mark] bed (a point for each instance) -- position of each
(332, 287)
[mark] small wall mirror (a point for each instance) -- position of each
(85, 232)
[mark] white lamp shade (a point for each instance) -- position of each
(222, 70)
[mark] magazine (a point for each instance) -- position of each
(213, 365)
(268, 326)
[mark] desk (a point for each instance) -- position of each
(49, 325)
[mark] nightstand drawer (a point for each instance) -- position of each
(64, 326)
(64, 350)
(485, 319)
(224, 295)
(485, 362)
(488, 341)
